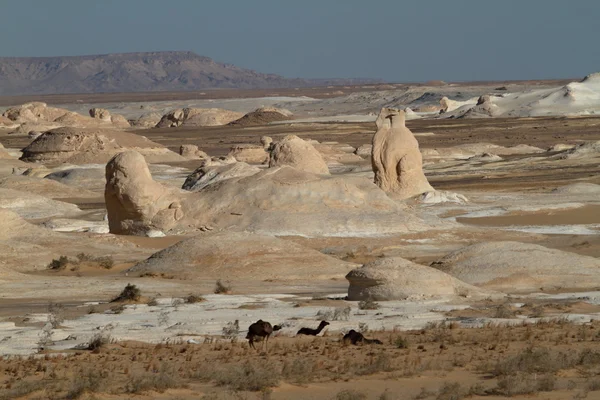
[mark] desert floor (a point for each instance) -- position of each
(540, 345)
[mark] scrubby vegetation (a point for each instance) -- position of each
(503, 360)
(130, 293)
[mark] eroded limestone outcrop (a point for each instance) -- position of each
(395, 157)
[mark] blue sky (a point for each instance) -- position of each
(398, 41)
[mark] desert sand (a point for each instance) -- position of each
(465, 238)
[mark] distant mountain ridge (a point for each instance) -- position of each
(138, 72)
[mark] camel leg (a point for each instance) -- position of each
(267, 344)
(251, 341)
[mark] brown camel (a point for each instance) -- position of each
(356, 337)
(313, 332)
(261, 329)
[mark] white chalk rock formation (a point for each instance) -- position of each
(249, 153)
(86, 146)
(148, 120)
(395, 157)
(442, 196)
(578, 188)
(263, 116)
(448, 105)
(192, 152)
(135, 203)
(485, 157)
(396, 278)
(334, 152)
(364, 150)
(274, 201)
(31, 206)
(241, 255)
(210, 173)
(117, 120)
(521, 267)
(297, 153)
(198, 117)
(34, 112)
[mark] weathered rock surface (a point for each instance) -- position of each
(148, 120)
(249, 153)
(396, 278)
(263, 116)
(135, 203)
(241, 255)
(521, 267)
(85, 178)
(578, 188)
(364, 150)
(297, 153)
(198, 117)
(192, 152)
(211, 173)
(85, 146)
(275, 201)
(395, 157)
(44, 187)
(117, 120)
(32, 206)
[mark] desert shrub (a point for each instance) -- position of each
(401, 342)
(368, 304)
(105, 262)
(531, 360)
(176, 302)
(163, 318)
(55, 314)
(59, 264)
(350, 394)
(222, 287)
(231, 330)
(593, 385)
(249, 376)
(152, 302)
(21, 389)
(165, 379)
(451, 391)
(503, 311)
(99, 340)
(525, 383)
(381, 363)
(299, 371)
(130, 293)
(88, 380)
(193, 298)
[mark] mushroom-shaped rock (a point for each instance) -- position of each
(395, 157)
(520, 267)
(297, 153)
(396, 278)
(249, 153)
(135, 203)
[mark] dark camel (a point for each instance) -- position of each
(356, 337)
(313, 332)
(261, 329)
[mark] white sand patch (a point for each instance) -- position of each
(167, 322)
(592, 229)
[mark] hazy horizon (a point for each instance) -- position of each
(389, 40)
